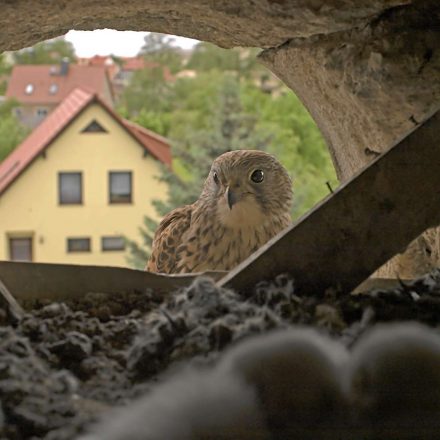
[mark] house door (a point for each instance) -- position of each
(20, 248)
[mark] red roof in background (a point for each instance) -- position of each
(42, 77)
(128, 64)
(137, 63)
(105, 61)
(96, 60)
(155, 142)
(55, 123)
(140, 63)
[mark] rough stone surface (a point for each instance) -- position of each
(228, 23)
(368, 86)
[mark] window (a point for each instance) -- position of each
(42, 112)
(78, 244)
(120, 187)
(94, 127)
(115, 243)
(20, 248)
(70, 188)
(29, 89)
(53, 88)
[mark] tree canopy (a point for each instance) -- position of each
(46, 52)
(162, 49)
(5, 69)
(11, 131)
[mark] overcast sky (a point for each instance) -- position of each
(109, 41)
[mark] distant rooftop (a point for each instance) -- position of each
(127, 64)
(50, 84)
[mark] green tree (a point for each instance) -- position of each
(206, 57)
(148, 89)
(162, 49)
(296, 141)
(157, 122)
(5, 69)
(46, 52)
(11, 131)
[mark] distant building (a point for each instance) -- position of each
(106, 61)
(40, 88)
(121, 69)
(79, 183)
(130, 65)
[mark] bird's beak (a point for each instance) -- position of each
(231, 197)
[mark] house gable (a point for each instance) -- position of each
(63, 116)
(31, 202)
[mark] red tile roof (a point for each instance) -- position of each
(96, 60)
(105, 61)
(139, 63)
(155, 142)
(57, 121)
(43, 77)
(136, 63)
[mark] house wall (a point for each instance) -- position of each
(107, 94)
(30, 204)
(28, 114)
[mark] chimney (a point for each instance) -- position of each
(64, 67)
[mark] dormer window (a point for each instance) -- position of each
(53, 88)
(29, 89)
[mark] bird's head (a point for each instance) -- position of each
(248, 186)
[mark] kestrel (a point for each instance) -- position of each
(245, 201)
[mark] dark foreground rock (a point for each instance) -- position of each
(64, 365)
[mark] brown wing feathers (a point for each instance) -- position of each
(168, 236)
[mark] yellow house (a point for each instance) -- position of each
(80, 182)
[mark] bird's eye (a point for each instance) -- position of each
(216, 179)
(257, 176)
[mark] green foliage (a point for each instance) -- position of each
(148, 90)
(207, 57)
(138, 253)
(46, 52)
(296, 142)
(159, 123)
(162, 49)
(11, 131)
(5, 69)
(225, 107)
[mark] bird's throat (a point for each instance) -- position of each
(243, 214)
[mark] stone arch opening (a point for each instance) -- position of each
(366, 71)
